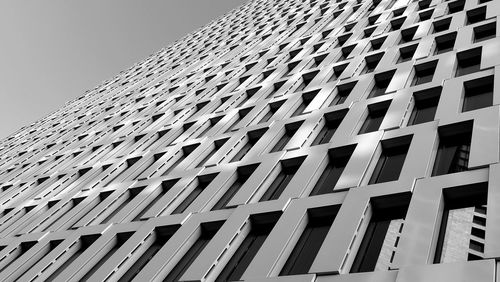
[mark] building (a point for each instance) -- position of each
(312, 140)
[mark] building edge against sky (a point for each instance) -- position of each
(312, 140)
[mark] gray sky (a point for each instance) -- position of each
(52, 51)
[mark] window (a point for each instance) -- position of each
(337, 161)
(184, 152)
(377, 43)
(217, 144)
(319, 221)
(456, 6)
(391, 160)
(275, 88)
(273, 108)
(290, 68)
(476, 15)
(240, 115)
(253, 137)
(337, 71)
(425, 15)
(371, 63)
(426, 102)
(290, 130)
(211, 122)
(445, 43)
(424, 73)
(478, 93)
(260, 227)
(287, 169)
(397, 23)
(462, 232)
(306, 80)
(306, 99)
(165, 186)
(382, 233)
(468, 61)
(382, 81)
(242, 175)
(485, 32)
(441, 25)
(454, 147)
(343, 92)
(406, 53)
(125, 199)
(200, 183)
(332, 121)
(407, 34)
(376, 114)
(208, 231)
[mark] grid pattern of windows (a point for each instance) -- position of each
(312, 140)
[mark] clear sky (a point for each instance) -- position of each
(52, 51)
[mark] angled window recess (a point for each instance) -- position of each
(371, 62)
(408, 34)
(426, 15)
(441, 25)
(468, 61)
(424, 73)
(337, 161)
(406, 53)
(82, 244)
(125, 199)
(208, 230)
(287, 169)
(116, 243)
(382, 233)
(463, 224)
(426, 102)
(391, 160)
(476, 15)
(290, 130)
(260, 226)
(306, 80)
(290, 68)
(376, 114)
(337, 71)
(164, 187)
(332, 121)
(239, 116)
(382, 81)
(485, 32)
(306, 98)
(397, 23)
(478, 93)
(343, 92)
(454, 147)
(17, 252)
(376, 44)
(211, 122)
(149, 248)
(272, 109)
(183, 153)
(319, 221)
(128, 164)
(242, 175)
(456, 6)
(217, 144)
(316, 61)
(253, 137)
(276, 86)
(201, 182)
(345, 51)
(445, 43)
(248, 94)
(72, 223)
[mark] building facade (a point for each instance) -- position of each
(314, 140)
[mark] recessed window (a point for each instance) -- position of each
(332, 122)
(382, 81)
(306, 80)
(485, 32)
(406, 53)
(287, 169)
(426, 102)
(242, 175)
(391, 160)
(454, 147)
(371, 62)
(217, 144)
(336, 72)
(337, 161)
(478, 93)
(377, 43)
(445, 43)
(441, 25)
(407, 34)
(456, 6)
(273, 108)
(290, 130)
(468, 61)
(343, 92)
(376, 114)
(424, 73)
(306, 99)
(424, 4)
(425, 15)
(476, 15)
(199, 184)
(397, 23)
(253, 137)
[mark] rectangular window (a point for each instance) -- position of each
(476, 15)
(337, 161)
(243, 173)
(424, 73)
(202, 182)
(406, 53)
(371, 62)
(456, 6)
(165, 186)
(407, 34)
(485, 32)
(208, 231)
(478, 93)
(217, 144)
(211, 123)
(287, 168)
(343, 92)
(260, 227)
(337, 71)
(441, 25)
(290, 130)
(306, 99)
(382, 81)
(253, 137)
(376, 114)
(468, 61)
(273, 108)
(159, 237)
(454, 147)
(382, 233)
(240, 115)
(18, 252)
(462, 232)
(332, 121)
(307, 247)
(445, 43)
(426, 102)
(391, 160)
(125, 199)
(183, 153)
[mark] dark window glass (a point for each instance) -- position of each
(217, 145)
(306, 80)
(426, 102)
(338, 159)
(478, 93)
(332, 122)
(371, 62)
(240, 115)
(441, 25)
(288, 168)
(453, 150)
(306, 99)
(310, 241)
(273, 108)
(184, 152)
(376, 114)
(243, 173)
(406, 53)
(407, 34)
(202, 183)
(445, 43)
(476, 15)
(165, 187)
(468, 61)
(290, 130)
(424, 73)
(485, 32)
(391, 160)
(253, 137)
(382, 81)
(343, 92)
(456, 6)
(129, 195)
